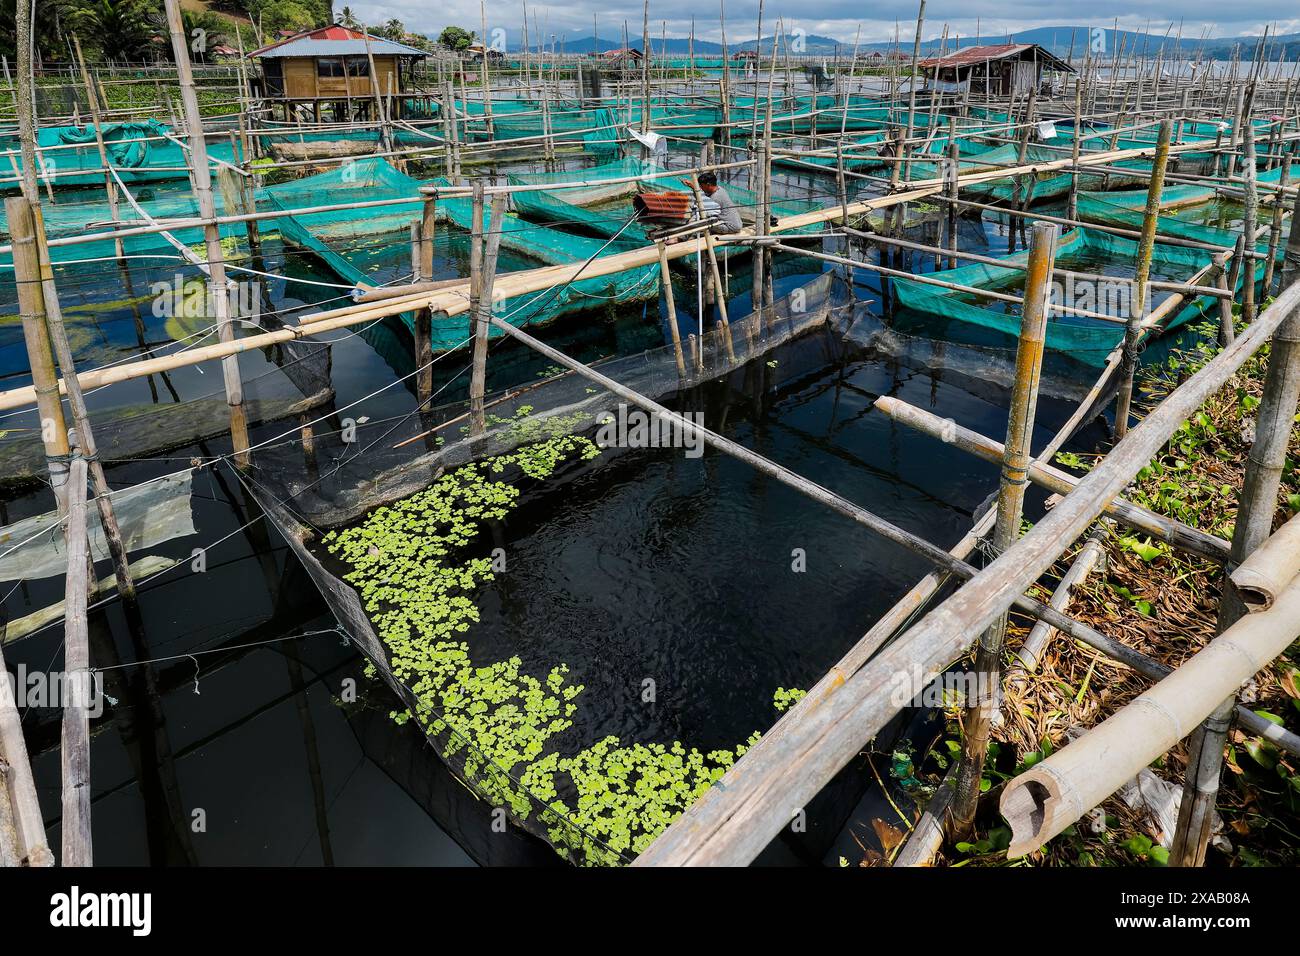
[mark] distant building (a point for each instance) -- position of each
(331, 67)
(1001, 70)
(621, 59)
(476, 52)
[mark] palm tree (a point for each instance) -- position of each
(348, 19)
(122, 29)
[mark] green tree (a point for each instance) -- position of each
(203, 30)
(276, 15)
(46, 34)
(456, 39)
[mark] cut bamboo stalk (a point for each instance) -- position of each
(1267, 571)
(110, 187)
(1056, 792)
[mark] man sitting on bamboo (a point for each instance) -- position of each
(719, 204)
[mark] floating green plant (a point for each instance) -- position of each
(784, 699)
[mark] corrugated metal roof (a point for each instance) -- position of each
(309, 46)
(974, 55)
(334, 40)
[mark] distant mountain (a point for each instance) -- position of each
(674, 46)
(1060, 40)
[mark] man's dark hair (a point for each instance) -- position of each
(708, 179)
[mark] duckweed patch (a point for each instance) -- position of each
(601, 805)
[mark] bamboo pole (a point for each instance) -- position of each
(1250, 214)
(217, 282)
(1291, 257)
(1146, 245)
(978, 719)
(1265, 573)
(1088, 559)
(75, 748)
(1275, 230)
(483, 304)
(424, 317)
(666, 279)
(40, 356)
(110, 187)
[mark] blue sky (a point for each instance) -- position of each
(841, 18)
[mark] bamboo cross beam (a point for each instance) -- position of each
(1169, 530)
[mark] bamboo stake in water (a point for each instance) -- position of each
(75, 746)
(110, 187)
(486, 267)
(670, 301)
(217, 283)
(1146, 246)
(978, 720)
